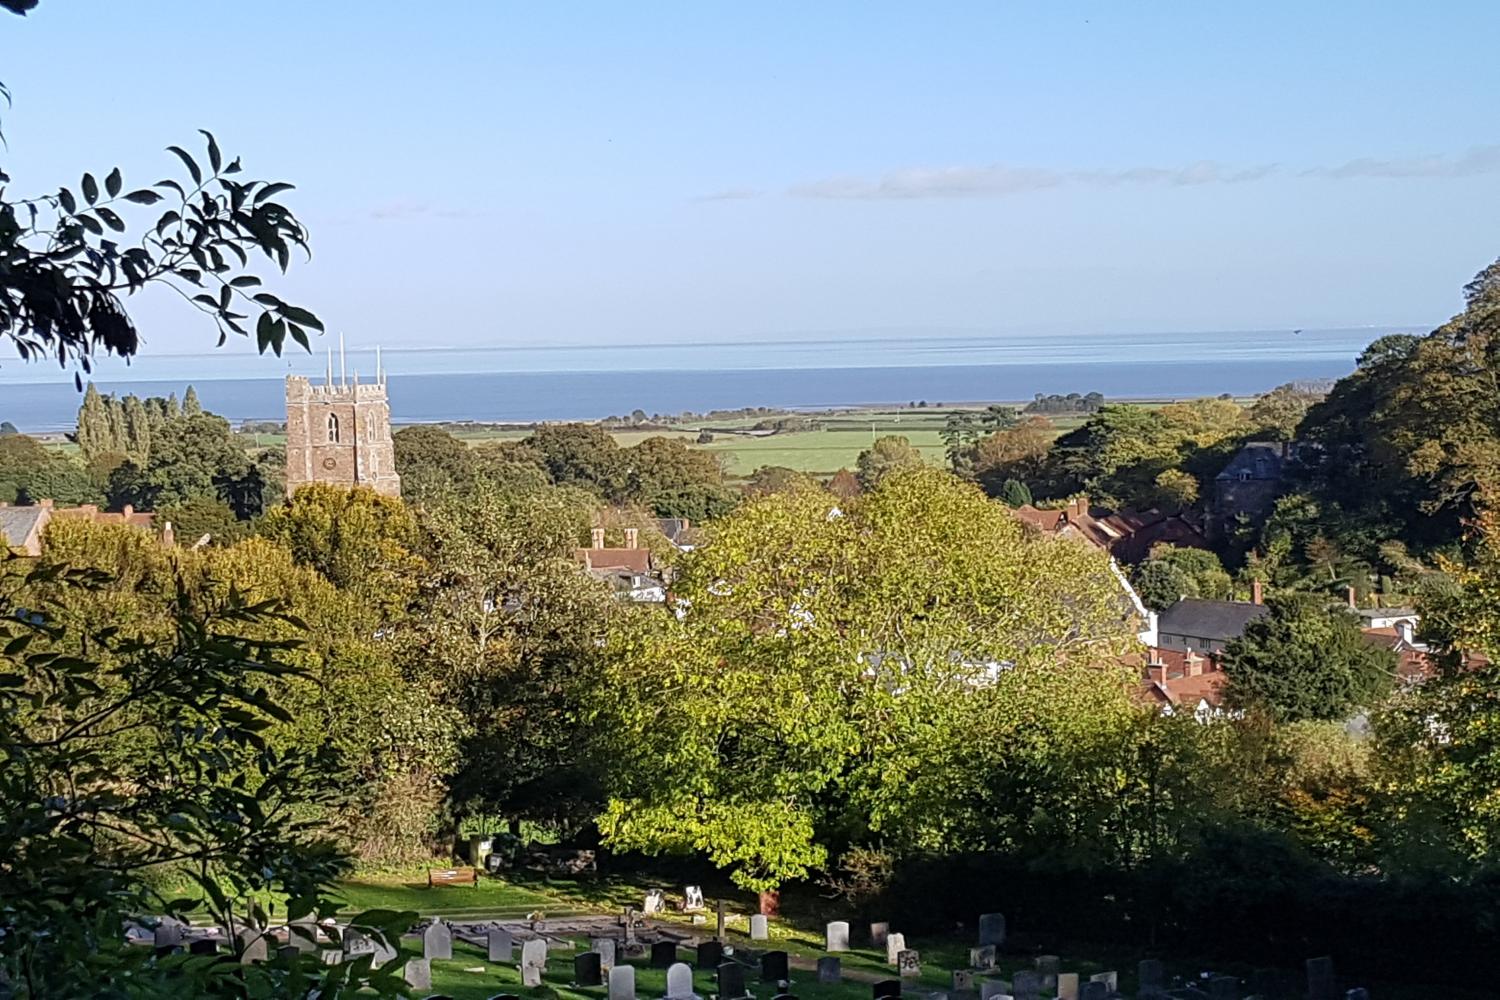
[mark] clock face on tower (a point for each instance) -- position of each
(329, 463)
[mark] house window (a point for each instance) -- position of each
(333, 428)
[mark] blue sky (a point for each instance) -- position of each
(504, 173)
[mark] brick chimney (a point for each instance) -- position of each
(1193, 665)
(1257, 592)
(1157, 672)
(1079, 507)
(632, 537)
(127, 510)
(46, 502)
(598, 538)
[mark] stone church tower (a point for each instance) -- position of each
(340, 433)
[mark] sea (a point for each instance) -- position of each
(535, 383)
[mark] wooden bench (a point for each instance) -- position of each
(452, 876)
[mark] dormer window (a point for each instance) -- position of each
(333, 428)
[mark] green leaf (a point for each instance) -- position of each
(67, 201)
(90, 189)
(143, 197)
(111, 220)
(299, 315)
(245, 281)
(264, 327)
(90, 223)
(214, 159)
(271, 190)
(113, 182)
(187, 161)
(299, 335)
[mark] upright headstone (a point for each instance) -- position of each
(1067, 986)
(663, 954)
(908, 963)
(963, 981)
(994, 989)
(418, 974)
(587, 969)
(252, 945)
(830, 969)
(992, 929)
(721, 929)
(533, 961)
(654, 902)
(895, 944)
(760, 927)
(774, 967)
(982, 958)
(878, 932)
(836, 936)
(885, 988)
(167, 934)
(1321, 983)
(204, 946)
(731, 976)
(1111, 980)
(1093, 990)
(1048, 966)
(501, 947)
(622, 982)
(605, 947)
(356, 944)
(1026, 985)
(679, 980)
(302, 934)
(437, 940)
(710, 954)
(692, 897)
(1151, 977)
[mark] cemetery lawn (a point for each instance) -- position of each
(491, 899)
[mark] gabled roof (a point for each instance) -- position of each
(1256, 460)
(1215, 620)
(633, 560)
(19, 524)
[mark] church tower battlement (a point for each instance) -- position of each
(340, 432)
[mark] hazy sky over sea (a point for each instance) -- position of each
(502, 174)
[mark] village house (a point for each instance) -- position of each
(1127, 535)
(1248, 486)
(23, 525)
(631, 570)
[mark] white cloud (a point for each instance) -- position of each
(730, 194)
(1476, 160)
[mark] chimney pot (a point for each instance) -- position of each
(1194, 664)
(1353, 598)
(128, 509)
(598, 538)
(632, 536)
(1257, 592)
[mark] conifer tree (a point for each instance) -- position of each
(93, 424)
(190, 405)
(137, 441)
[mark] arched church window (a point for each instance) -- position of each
(333, 428)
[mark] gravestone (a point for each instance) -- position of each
(167, 935)
(908, 963)
(437, 941)
(1320, 979)
(655, 902)
(622, 982)
(774, 967)
(288, 953)
(692, 897)
(721, 930)
(885, 988)
(1093, 990)
(760, 927)
(878, 932)
(830, 969)
(963, 981)
(303, 934)
(501, 947)
(605, 947)
(1358, 993)
(710, 954)
(587, 970)
(1224, 988)
(356, 944)
(994, 989)
(204, 946)
(679, 980)
(1067, 986)
(663, 954)
(992, 929)
(533, 961)
(836, 936)
(982, 958)
(1151, 977)
(418, 974)
(1111, 980)
(895, 944)
(1048, 966)
(252, 945)
(731, 976)
(1026, 985)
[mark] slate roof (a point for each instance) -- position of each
(17, 523)
(633, 560)
(1214, 620)
(1256, 460)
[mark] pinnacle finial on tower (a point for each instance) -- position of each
(328, 378)
(343, 372)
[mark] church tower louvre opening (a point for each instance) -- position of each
(340, 432)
